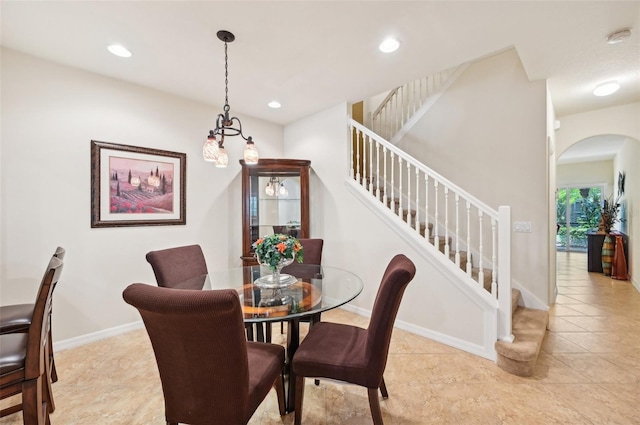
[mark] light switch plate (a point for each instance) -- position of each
(522, 226)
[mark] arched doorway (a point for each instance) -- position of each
(592, 168)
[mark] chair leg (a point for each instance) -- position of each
(279, 386)
(267, 332)
(299, 398)
(33, 410)
(281, 328)
(259, 332)
(249, 329)
(383, 389)
(374, 404)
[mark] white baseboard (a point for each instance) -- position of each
(433, 335)
(478, 350)
(96, 336)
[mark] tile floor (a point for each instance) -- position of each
(588, 373)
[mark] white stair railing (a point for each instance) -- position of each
(378, 166)
(403, 102)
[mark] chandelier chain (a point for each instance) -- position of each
(226, 77)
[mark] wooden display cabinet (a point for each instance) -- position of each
(275, 199)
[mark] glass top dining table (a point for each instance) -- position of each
(303, 291)
(310, 290)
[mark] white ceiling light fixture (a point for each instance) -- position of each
(606, 88)
(119, 50)
(389, 45)
(274, 104)
(619, 36)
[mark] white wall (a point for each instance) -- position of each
(488, 135)
(583, 174)
(49, 115)
(621, 120)
(551, 197)
(627, 160)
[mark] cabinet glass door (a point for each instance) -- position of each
(275, 199)
(279, 205)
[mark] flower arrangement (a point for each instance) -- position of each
(609, 214)
(272, 250)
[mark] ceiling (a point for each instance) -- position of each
(310, 55)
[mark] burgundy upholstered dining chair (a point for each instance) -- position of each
(25, 360)
(16, 318)
(210, 374)
(175, 265)
(352, 354)
(312, 255)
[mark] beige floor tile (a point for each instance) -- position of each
(596, 404)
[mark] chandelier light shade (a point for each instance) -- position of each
(275, 188)
(213, 149)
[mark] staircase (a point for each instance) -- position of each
(448, 225)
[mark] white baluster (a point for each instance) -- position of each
(468, 238)
(386, 178)
(480, 253)
(351, 151)
(494, 257)
(446, 221)
(365, 137)
(436, 238)
(400, 187)
(393, 184)
(418, 200)
(377, 170)
(385, 119)
(358, 136)
(371, 177)
(427, 234)
(457, 258)
(408, 193)
(392, 129)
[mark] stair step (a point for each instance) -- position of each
(463, 259)
(475, 272)
(529, 328)
(515, 298)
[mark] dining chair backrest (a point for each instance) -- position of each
(200, 349)
(39, 329)
(399, 272)
(174, 265)
(311, 255)
(24, 358)
(17, 317)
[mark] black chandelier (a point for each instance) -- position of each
(213, 149)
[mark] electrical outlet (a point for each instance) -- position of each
(522, 226)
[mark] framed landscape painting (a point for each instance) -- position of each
(135, 186)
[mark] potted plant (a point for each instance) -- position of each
(609, 214)
(276, 251)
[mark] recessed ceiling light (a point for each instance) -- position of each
(119, 50)
(605, 89)
(619, 36)
(389, 45)
(274, 104)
